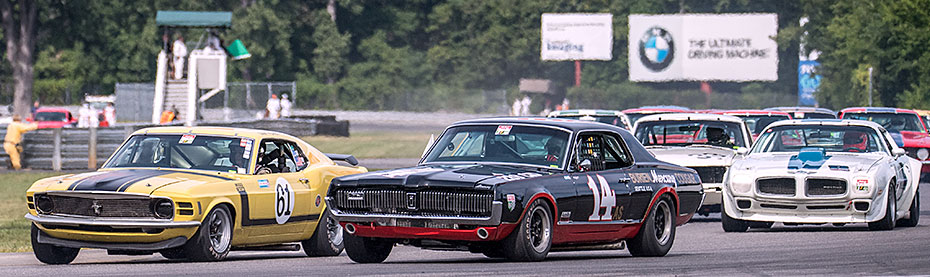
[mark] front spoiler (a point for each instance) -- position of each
(392, 219)
(154, 246)
(113, 223)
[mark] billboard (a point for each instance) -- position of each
(576, 36)
(703, 47)
(808, 82)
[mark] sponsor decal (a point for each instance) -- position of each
(686, 178)
(640, 178)
(240, 170)
(511, 201)
(862, 185)
(518, 176)
(262, 183)
(642, 188)
(566, 215)
(604, 197)
(503, 130)
(656, 49)
(248, 148)
(663, 178)
(408, 171)
(355, 196)
(283, 200)
(653, 177)
(318, 200)
(187, 139)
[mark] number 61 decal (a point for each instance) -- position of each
(603, 198)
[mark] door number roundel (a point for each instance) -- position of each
(283, 200)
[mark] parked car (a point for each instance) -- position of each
(822, 171)
(757, 120)
(518, 188)
(906, 126)
(806, 112)
(616, 118)
(706, 143)
(53, 118)
(637, 113)
(191, 193)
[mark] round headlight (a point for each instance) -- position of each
(741, 184)
(44, 203)
(923, 154)
(163, 208)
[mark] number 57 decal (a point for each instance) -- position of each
(603, 198)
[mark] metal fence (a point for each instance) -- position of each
(251, 96)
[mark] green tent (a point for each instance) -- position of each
(193, 19)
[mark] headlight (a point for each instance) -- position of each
(923, 154)
(44, 203)
(741, 184)
(163, 208)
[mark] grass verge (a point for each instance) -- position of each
(373, 145)
(14, 229)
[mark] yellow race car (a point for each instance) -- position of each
(192, 193)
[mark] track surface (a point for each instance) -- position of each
(701, 248)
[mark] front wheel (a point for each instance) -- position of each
(213, 239)
(327, 240)
(914, 212)
(730, 224)
(657, 234)
(51, 254)
(367, 250)
(532, 239)
(887, 222)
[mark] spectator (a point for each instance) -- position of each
(35, 107)
(84, 116)
(14, 135)
(168, 115)
(285, 105)
(109, 114)
(525, 103)
(180, 52)
(273, 107)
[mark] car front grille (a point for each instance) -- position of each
(711, 174)
(776, 186)
(821, 187)
(82, 206)
(420, 202)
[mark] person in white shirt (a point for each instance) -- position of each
(180, 52)
(84, 116)
(285, 105)
(273, 107)
(526, 105)
(109, 113)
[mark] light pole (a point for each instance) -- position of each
(870, 86)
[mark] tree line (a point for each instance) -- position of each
(431, 54)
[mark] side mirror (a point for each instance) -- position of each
(897, 152)
(742, 151)
(585, 165)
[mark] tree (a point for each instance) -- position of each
(20, 34)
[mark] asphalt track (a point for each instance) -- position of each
(701, 248)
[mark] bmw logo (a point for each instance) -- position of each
(656, 49)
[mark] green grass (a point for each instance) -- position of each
(373, 145)
(14, 229)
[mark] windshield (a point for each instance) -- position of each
(893, 122)
(612, 120)
(757, 123)
(51, 116)
(536, 146)
(184, 151)
(854, 139)
(683, 133)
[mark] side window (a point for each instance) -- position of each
(616, 153)
(590, 147)
(276, 156)
(297, 161)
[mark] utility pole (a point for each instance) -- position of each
(870, 86)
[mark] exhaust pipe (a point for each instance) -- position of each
(482, 233)
(350, 228)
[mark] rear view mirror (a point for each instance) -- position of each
(897, 152)
(691, 128)
(742, 151)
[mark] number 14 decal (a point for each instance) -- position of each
(603, 198)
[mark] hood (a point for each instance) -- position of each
(913, 139)
(694, 155)
(143, 181)
(783, 162)
(481, 176)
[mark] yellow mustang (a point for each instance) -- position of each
(192, 193)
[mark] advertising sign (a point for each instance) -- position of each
(808, 82)
(576, 36)
(703, 47)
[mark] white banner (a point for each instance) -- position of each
(703, 47)
(576, 36)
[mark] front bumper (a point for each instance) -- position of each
(153, 246)
(404, 220)
(91, 232)
(113, 223)
(835, 210)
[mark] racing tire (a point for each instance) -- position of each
(328, 238)
(176, 253)
(914, 212)
(51, 254)
(887, 222)
(367, 250)
(732, 225)
(532, 239)
(656, 236)
(213, 239)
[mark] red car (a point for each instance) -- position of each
(757, 120)
(636, 113)
(908, 123)
(53, 118)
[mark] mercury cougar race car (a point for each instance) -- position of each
(706, 143)
(603, 116)
(518, 188)
(906, 126)
(822, 171)
(193, 193)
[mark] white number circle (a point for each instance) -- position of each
(283, 200)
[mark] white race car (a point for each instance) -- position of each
(706, 143)
(822, 171)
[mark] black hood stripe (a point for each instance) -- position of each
(121, 180)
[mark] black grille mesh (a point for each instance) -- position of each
(825, 187)
(394, 201)
(779, 186)
(68, 205)
(711, 174)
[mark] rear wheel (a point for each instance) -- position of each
(532, 239)
(657, 234)
(327, 240)
(367, 250)
(914, 212)
(731, 224)
(51, 254)
(213, 239)
(887, 222)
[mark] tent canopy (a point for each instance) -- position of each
(193, 19)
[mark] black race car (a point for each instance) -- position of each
(518, 188)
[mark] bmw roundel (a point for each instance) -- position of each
(656, 49)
